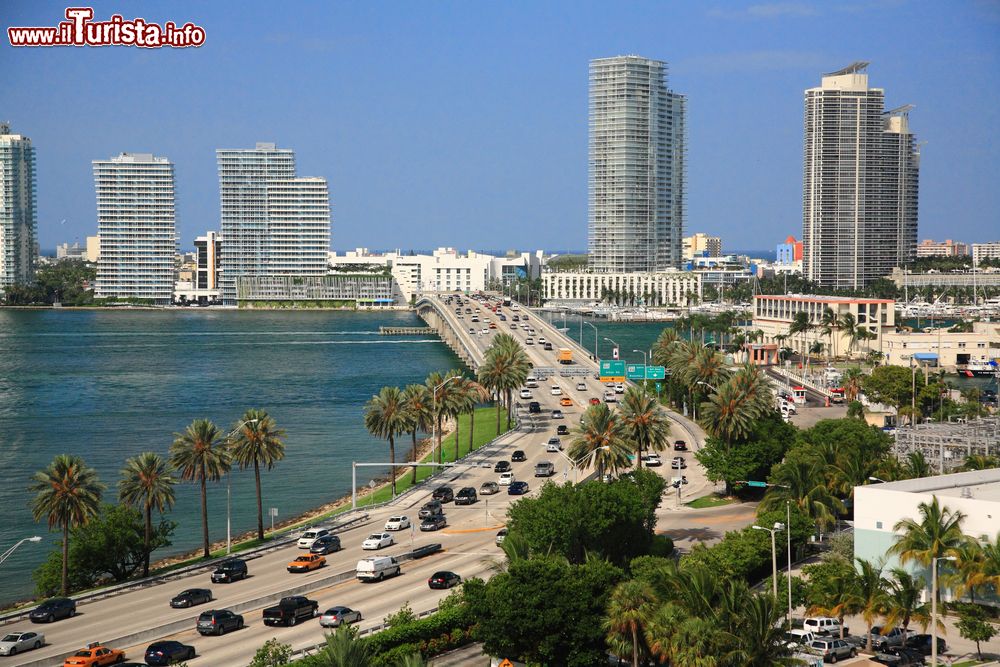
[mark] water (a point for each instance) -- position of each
(107, 385)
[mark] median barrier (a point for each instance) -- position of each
(425, 550)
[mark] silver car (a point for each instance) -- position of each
(489, 488)
(334, 617)
(19, 642)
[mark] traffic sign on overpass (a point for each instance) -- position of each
(612, 370)
(635, 372)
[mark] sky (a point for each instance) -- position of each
(464, 124)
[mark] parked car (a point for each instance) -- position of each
(882, 641)
(218, 622)
(506, 478)
(436, 522)
(823, 625)
(443, 579)
(651, 460)
(378, 541)
(557, 414)
(680, 446)
(290, 610)
(922, 643)
(53, 610)
(306, 563)
(327, 544)
(95, 655)
(501, 536)
(518, 489)
(430, 508)
(191, 597)
(397, 523)
(311, 535)
(229, 571)
(678, 463)
(489, 488)
(19, 642)
(168, 652)
(899, 656)
(544, 469)
(466, 496)
(444, 494)
(502, 466)
(334, 617)
(562, 429)
(518, 455)
(832, 650)
(798, 638)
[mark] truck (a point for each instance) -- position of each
(377, 568)
(290, 610)
(565, 355)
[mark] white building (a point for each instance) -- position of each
(951, 350)
(71, 251)
(702, 245)
(203, 286)
(18, 209)
(136, 226)
(273, 223)
(774, 313)
(655, 288)
(981, 251)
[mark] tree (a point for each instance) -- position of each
(258, 442)
(629, 610)
(600, 441)
(871, 599)
(904, 601)
(801, 324)
(938, 533)
(829, 324)
(751, 458)
(803, 482)
(477, 394)
(832, 589)
(972, 625)
(343, 649)
(504, 369)
(199, 455)
(851, 381)
(146, 482)
(646, 424)
(890, 385)
(462, 403)
(67, 494)
(272, 654)
(442, 397)
(385, 417)
(419, 417)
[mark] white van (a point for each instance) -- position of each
(377, 568)
(822, 626)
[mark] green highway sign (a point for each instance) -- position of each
(612, 371)
(762, 485)
(656, 372)
(635, 372)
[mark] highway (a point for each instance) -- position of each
(468, 541)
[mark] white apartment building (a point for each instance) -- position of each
(636, 167)
(273, 223)
(981, 251)
(653, 288)
(18, 209)
(859, 194)
(702, 245)
(774, 313)
(137, 228)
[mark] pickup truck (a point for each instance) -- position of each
(291, 610)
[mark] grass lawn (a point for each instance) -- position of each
(968, 663)
(711, 500)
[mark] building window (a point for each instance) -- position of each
(878, 525)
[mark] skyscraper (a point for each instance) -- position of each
(273, 224)
(18, 212)
(137, 228)
(859, 195)
(636, 166)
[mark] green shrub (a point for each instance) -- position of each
(425, 629)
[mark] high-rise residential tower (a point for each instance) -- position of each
(859, 195)
(273, 224)
(137, 228)
(636, 166)
(18, 212)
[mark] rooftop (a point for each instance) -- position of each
(976, 484)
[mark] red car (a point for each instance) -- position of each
(595, 401)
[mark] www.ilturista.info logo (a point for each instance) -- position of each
(81, 30)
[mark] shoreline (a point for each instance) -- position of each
(213, 309)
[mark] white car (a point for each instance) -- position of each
(609, 397)
(555, 391)
(310, 536)
(398, 522)
(541, 340)
(620, 388)
(19, 642)
(553, 447)
(525, 393)
(377, 541)
(506, 478)
(581, 386)
(485, 331)
(531, 384)
(529, 341)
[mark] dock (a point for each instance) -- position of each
(406, 331)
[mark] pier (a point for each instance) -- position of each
(406, 331)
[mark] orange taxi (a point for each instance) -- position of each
(566, 401)
(306, 563)
(95, 655)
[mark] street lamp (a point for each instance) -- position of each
(788, 535)
(613, 355)
(595, 337)
(576, 471)
(778, 526)
(876, 479)
(6, 554)
(229, 495)
(934, 578)
(712, 387)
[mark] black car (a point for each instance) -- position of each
(922, 643)
(502, 466)
(680, 446)
(218, 622)
(534, 407)
(168, 652)
(435, 522)
(430, 509)
(444, 579)
(518, 455)
(898, 656)
(325, 545)
(229, 571)
(562, 429)
(466, 496)
(517, 489)
(53, 610)
(444, 494)
(191, 597)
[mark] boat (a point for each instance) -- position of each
(980, 369)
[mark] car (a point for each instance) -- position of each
(557, 414)
(610, 397)
(518, 455)
(167, 652)
(334, 617)
(544, 469)
(513, 326)
(485, 331)
(823, 626)
(529, 341)
(290, 610)
(832, 650)
(922, 643)
(430, 508)
(517, 489)
(534, 407)
(594, 400)
(501, 536)
(471, 330)
(651, 460)
(19, 642)
(95, 655)
(899, 656)
(53, 610)
(680, 446)
(397, 523)
(678, 463)
(555, 390)
(581, 386)
(562, 429)
(620, 388)
(229, 571)
(327, 544)
(526, 393)
(515, 318)
(311, 535)
(541, 340)
(798, 638)
(191, 597)
(489, 488)
(506, 478)
(436, 522)
(566, 402)
(531, 384)
(466, 496)
(443, 579)
(883, 639)
(444, 494)
(547, 347)
(378, 541)
(502, 466)
(218, 622)
(553, 447)
(306, 563)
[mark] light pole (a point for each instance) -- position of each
(576, 471)
(434, 395)
(778, 526)
(788, 534)
(229, 494)
(6, 554)
(934, 570)
(876, 479)
(614, 353)
(595, 338)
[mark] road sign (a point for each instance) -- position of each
(761, 485)
(612, 371)
(656, 372)
(634, 372)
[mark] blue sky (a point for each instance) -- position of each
(465, 123)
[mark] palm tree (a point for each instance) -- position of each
(991, 562)
(417, 400)
(461, 404)
(67, 494)
(829, 323)
(600, 441)
(903, 604)
(629, 609)
(840, 599)
(969, 567)
(504, 369)
(917, 466)
(801, 324)
(343, 649)
(849, 325)
(440, 388)
(645, 422)
(759, 635)
(872, 598)
(258, 441)
(385, 417)
(803, 482)
(146, 482)
(937, 533)
(477, 394)
(663, 345)
(199, 456)
(851, 382)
